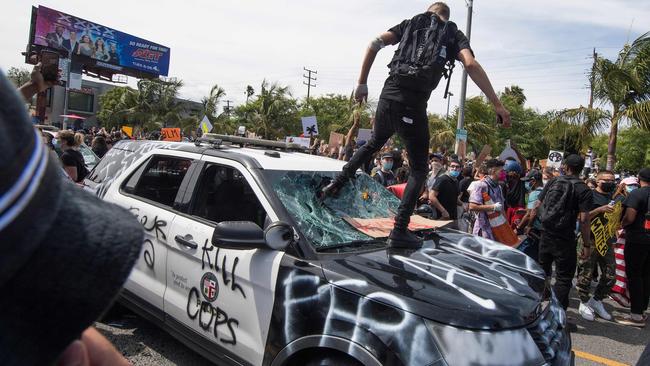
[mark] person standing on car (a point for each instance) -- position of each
(490, 185)
(72, 160)
(564, 200)
(385, 175)
(601, 207)
(443, 195)
(428, 42)
(636, 222)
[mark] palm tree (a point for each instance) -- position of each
(211, 102)
(625, 86)
(249, 92)
(268, 104)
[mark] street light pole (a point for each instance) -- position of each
(463, 85)
(449, 94)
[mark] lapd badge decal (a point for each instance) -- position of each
(209, 286)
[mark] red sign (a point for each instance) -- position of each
(171, 134)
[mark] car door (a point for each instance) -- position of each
(223, 296)
(149, 194)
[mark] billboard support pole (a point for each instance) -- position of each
(65, 94)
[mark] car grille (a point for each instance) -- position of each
(547, 331)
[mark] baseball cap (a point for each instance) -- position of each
(493, 163)
(533, 174)
(387, 155)
(64, 253)
(574, 161)
(644, 174)
(630, 181)
(436, 156)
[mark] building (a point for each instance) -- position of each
(85, 103)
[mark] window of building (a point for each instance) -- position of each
(81, 101)
(160, 180)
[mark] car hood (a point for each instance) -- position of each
(455, 279)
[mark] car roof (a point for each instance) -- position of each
(290, 160)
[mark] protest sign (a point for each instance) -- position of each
(309, 126)
(171, 134)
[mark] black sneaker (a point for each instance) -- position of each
(332, 189)
(403, 238)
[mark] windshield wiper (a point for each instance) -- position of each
(353, 243)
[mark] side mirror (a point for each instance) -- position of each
(238, 235)
(278, 235)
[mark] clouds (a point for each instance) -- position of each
(542, 46)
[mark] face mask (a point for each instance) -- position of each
(630, 188)
(527, 185)
(454, 173)
(502, 176)
(388, 165)
(435, 167)
(607, 186)
(544, 181)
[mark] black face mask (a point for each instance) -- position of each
(607, 186)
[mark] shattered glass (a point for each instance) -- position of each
(322, 221)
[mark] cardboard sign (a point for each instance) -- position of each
(309, 126)
(381, 227)
(482, 155)
(554, 159)
(171, 134)
(127, 130)
(336, 139)
(364, 134)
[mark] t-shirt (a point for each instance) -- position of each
(385, 178)
(580, 202)
(462, 188)
(447, 188)
(411, 97)
(482, 224)
(638, 200)
(75, 159)
(516, 194)
(533, 197)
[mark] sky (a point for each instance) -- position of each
(545, 47)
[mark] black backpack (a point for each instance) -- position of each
(422, 57)
(558, 210)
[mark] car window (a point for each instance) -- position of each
(224, 195)
(160, 180)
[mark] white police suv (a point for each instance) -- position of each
(244, 264)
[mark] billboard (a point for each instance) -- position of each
(95, 44)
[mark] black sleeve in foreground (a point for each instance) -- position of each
(585, 198)
(461, 43)
(399, 29)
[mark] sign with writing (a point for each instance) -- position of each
(604, 227)
(302, 141)
(100, 45)
(461, 134)
(309, 126)
(171, 134)
(127, 130)
(554, 159)
(336, 139)
(364, 134)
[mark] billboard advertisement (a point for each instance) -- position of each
(107, 47)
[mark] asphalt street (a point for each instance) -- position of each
(596, 343)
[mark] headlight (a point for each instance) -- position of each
(477, 347)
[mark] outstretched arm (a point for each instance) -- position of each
(481, 80)
(384, 39)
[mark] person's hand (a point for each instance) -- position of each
(93, 349)
(607, 209)
(36, 78)
(585, 252)
(503, 114)
(361, 93)
(497, 207)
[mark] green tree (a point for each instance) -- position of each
(624, 86)
(516, 94)
(249, 92)
(18, 76)
(334, 113)
(272, 114)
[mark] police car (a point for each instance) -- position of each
(243, 263)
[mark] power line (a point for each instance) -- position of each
(309, 80)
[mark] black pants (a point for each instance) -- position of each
(637, 269)
(561, 250)
(412, 126)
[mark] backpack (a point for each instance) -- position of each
(422, 58)
(558, 211)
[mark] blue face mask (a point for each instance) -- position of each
(388, 165)
(630, 188)
(454, 173)
(527, 185)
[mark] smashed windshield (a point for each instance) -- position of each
(322, 221)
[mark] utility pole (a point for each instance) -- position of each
(591, 81)
(309, 80)
(463, 85)
(227, 107)
(449, 94)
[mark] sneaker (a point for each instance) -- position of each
(403, 238)
(599, 308)
(628, 320)
(586, 312)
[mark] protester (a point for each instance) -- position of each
(73, 162)
(589, 161)
(443, 195)
(489, 185)
(530, 224)
(402, 108)
(60, 266)
(385, 175)
(464, 183)
(636, 222)
(515, 192)
(601, 206)
(564, 200)
(99, 146)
